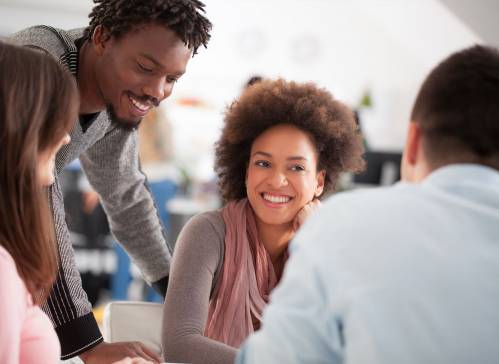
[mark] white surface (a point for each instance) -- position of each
(134, 321)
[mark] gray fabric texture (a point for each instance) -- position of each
(196, 265)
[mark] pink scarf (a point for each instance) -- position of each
(247, 277)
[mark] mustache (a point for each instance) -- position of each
(147, 99)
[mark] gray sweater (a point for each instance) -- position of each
(196, 266)
(109, 157)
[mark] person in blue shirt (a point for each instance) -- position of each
(408, 273)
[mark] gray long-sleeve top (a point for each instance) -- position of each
(196, 266)
(109, 157)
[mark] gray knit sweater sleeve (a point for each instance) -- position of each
(112, 168)
(196, 264)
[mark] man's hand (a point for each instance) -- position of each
(305, 212)
(106, 353)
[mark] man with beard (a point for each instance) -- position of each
(125, 63)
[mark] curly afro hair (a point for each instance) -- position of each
(182, 16)
(330, 124)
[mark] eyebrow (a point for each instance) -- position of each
(292, 158)
(157, 63)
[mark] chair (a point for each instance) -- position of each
(134, 321)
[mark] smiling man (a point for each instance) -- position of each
(125, 62)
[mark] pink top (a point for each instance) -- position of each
(26, 333)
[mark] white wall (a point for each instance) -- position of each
(19, 14)
(348, 47)
(481, 16)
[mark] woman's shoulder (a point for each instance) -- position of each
(209, 222)
(201, 241)
(10, 280)
(6, 260)
(203, 231)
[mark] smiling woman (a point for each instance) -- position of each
(282, 148)
(282, 177)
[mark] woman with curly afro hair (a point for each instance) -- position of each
(282, 148)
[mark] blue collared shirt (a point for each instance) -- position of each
(403, 274)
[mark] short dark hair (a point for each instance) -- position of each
(267, 103)
(457, 108)
(184, 17)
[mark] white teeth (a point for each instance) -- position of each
(276, 199)
(138, 105)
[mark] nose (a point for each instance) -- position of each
(158, 89)
(65, 139)
(277, 179)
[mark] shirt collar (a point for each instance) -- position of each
(454, 173)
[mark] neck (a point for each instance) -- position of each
(91, 100)
(275, 239)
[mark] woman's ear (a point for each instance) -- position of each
(321, 178)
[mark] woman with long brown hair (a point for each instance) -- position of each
(38, 103)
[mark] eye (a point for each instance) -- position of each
(171, 79)
(144, 68)
(297, 168)
(263, 164)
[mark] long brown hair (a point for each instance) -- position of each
(38, 104)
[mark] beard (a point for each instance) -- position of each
(124, 124)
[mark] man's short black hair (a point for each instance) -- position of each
(184, 17)
(457, 108)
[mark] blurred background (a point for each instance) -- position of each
(371, 54)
